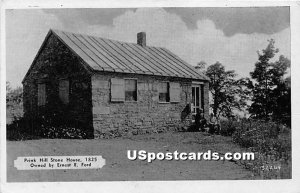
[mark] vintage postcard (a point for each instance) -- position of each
(149, 94)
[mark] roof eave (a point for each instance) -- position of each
(181, 77)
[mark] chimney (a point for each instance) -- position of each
(141, 39)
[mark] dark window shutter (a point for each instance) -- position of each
(64, 91)
(117, 90)
(41, 94)
(175, 91)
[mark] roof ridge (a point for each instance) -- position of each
(94, 36)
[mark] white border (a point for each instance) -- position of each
(280, 186)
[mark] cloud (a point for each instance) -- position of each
(234, 20)
(206, 42)
(164, 29)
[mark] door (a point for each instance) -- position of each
(196, 98)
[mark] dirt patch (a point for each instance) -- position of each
(119, 168)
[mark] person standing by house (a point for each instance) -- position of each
(200, 121)
(214, 125)
(197, 120)
(203, 122)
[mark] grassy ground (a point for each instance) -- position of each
(119, 168)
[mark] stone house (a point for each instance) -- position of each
(113, 86)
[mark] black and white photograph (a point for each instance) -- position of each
(122, 94)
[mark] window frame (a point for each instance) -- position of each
(133, 101)
(168, 87)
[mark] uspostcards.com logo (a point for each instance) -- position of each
(191, 156)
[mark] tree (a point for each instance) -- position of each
(228, 93)
(13, 96)
(8, 87)
(271, 91)
(200, 65)
(14, 102)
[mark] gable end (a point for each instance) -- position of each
(50, 34)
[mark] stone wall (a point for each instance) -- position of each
(147, 114)
(56, 62)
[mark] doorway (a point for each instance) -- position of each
(197, 98)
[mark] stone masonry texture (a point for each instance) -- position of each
(89, 96)
(147, 114)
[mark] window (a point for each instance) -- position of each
(41, 94)
(130, 90)
(164, 95)
(64, 91)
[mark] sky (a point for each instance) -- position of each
(231, 36)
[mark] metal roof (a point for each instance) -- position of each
(114, 56)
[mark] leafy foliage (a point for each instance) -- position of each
(56, 124)
(18, 130)
(228, 92)
(62, 132)
(14, 103)
(271, 90)
(271, 143)
(228, 127)
(200, 65)
(46, 127)
(13, 96)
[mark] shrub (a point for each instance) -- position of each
(56, 126)
(228, 127)
(62, 132)
(47, 127)
(270, 144)
(255, 133)
(19, 130)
